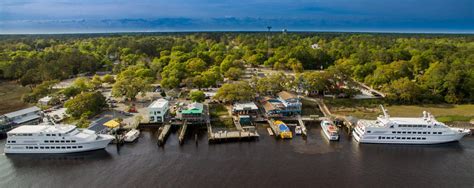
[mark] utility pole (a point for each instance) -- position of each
(268, 41)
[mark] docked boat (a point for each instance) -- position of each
(54, 139)
(284, 131)
(298, 130)
(131, 135)
(330, 130)
(406, 130)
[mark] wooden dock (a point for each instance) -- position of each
(270, 132)
(182, 132)
(164, 134)
(232, 135)
(273, 127)
(303, 127)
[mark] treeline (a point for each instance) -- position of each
(409, 68)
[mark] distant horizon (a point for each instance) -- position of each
(107, 16)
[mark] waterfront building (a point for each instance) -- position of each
(192, 113)
(285, 104)
(406, 130)
(158, 110)
(45, 100)
(54, 139)
(249, 109)
(30, 115)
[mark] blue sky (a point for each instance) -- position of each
(37, 16)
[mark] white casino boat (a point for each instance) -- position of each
(54, 139)
(406, 130)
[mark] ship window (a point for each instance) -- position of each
(403, 138)
(69, 147)
(57, 141)
(393, 132)
(62, 141)
(46, 141)
(79, 146)
(424, 126)
(36, 147)
(408, 138)
(419, 132)
(398, 137)
(30, 134)
(440, 133)
(41, 147)
(423, 138)
(48, 135)
(57, 147)
(418, 138)
(74, 147)
(404, 132)
(429, 126)
(424, 132)
(13, 141)
(73, 141)
(63, 147)
(67, 141)
(435, 133)
(47, 147)
(380, 137)
(409, 132)
(59, 134)
(53, 134)
(399, 132)
(368, 131)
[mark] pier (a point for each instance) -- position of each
(164, 134)
(182, 132)
(273, 127)
(232, 135)
(303, 127)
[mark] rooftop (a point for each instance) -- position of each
(245, 106)
(285, 95)
(160, 103)
(193, 108)
(42, 128)
(22, 112)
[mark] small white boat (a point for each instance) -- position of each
(298, 130)
(131, 135)
(330, 130)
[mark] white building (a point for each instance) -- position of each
(27, 115)
(157, 110)
(45, 100)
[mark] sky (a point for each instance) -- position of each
(65, 16)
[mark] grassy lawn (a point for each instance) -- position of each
(217, 110)
(310, 108)
(370, 109)
(10, 97)
(223, 123)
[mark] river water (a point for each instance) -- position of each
(311, 162)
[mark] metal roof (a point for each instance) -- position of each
(22, 112)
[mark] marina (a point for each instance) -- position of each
(215, 165)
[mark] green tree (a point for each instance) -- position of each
(197, 96)
(233, 92)
(233, 73)
(90, 103)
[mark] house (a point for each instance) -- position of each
(45, 100)
(158, 110)
(291, 102)
(30, 115)
(245, 109)
(285, 104)
(192, 113)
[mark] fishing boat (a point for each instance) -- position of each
(285, 132)
(330, 130)
(131, 135)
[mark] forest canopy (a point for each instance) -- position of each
(409, 68)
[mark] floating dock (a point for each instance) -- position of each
(273, 127)
(270, 132)
(232, 135)
(304, 131)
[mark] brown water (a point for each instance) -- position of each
(264, 163)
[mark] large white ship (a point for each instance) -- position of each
(54, 139)
(406, 130)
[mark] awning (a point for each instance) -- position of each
(111, 124)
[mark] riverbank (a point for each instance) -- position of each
(10, 96)
(370, 109)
